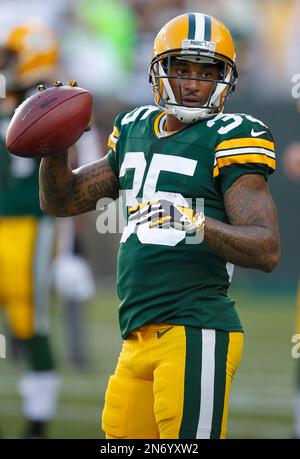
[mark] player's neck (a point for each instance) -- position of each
(173, 124)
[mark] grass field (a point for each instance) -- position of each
(262, 396)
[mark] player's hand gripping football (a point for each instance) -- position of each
(166, 214)
(50, 121)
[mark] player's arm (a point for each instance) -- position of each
(252, 238)
(65, 192)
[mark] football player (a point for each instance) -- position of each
(29, 56)
(182, 336)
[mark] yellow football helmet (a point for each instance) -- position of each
(33, 50)
(198, 38)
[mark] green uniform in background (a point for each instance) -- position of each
(26, 248)
(19, 192)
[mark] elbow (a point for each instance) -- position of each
(271, 261)
(55, 212)
(44, 204)
(46, 208)
(49, 210)
(52, 207)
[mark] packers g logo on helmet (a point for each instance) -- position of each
(198, 38)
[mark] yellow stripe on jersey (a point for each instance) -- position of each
(156, 123)
(113, 138)
(243, 151)
(216, 171)
(246, 158)
(111, 143)
(245, 142)
(116, 132)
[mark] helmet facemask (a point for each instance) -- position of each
(160, 76)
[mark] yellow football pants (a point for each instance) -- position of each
(172, 382)
(26, 246)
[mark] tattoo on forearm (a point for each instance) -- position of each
(66, 192)
(54, 188)
(251, 238)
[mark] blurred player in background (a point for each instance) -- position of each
(73, 281)
(71, 274)
(291, 163)
(28, 57)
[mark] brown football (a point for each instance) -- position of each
(50, 121)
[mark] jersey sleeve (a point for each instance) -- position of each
(250, 150)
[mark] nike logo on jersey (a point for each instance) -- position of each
(256, 134)
(160, 334)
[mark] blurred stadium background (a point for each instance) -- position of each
(106, 46)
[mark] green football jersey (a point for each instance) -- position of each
(164, 275)
(19, 190)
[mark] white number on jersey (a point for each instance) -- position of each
(160, 163)
(237, 121)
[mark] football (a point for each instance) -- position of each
(49, 121)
